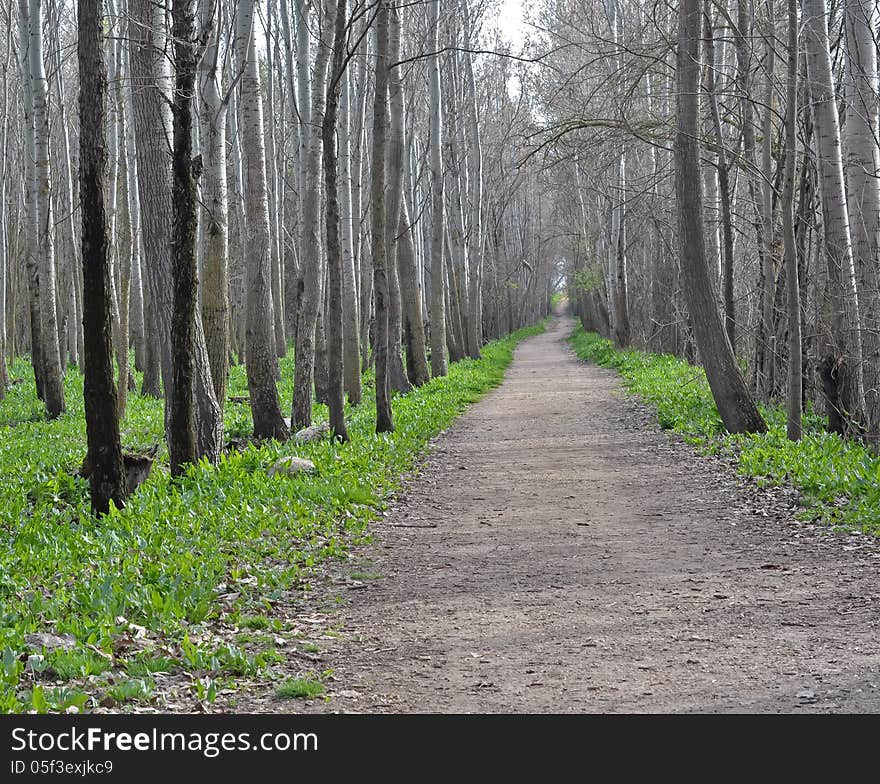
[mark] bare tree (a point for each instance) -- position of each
(735, 405)
(795, 359)
(260, 357)
(384, 419)
(214, 198)
(184, 275)
(311, 289)
(438, 201)
(841, 367)
(107, 478)
(334, 317)
(861, 164)
(40, 178)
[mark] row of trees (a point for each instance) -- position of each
(253, 177)
(737, 140)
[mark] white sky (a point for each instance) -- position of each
(510, 22)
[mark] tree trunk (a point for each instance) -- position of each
(474, 195)
(384, 420)
(619, 277)
(861, 165)
(181, 430)
(736, 407)
(40, 180)
(311, 290)
(334, 319)
(152, 132)
(261, 360)
(404, 251)
(795, 358)
(215, 203)
(843, 362)
(350, 309)
(125, 234)
(723, 186)
(768, 289)
(30, 221)
(275, 194)
(4, 218)
(107, 478)
(393, 201)
(438, 199)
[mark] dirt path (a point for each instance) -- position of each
(561, 553)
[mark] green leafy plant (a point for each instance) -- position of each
(132, 690)
(306, 688)
(164, 562)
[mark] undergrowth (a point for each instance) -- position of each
(838, 480)
(136, 587)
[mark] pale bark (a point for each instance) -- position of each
(350, 309)
(795, 358)
(311, 291)
(238, 253)
(126, 248)
(726, 247)
(274, 191)
(618, 266)
(768, 289)
(69, 267)
(861, 167)
(215, 202)
(136, 299)
(843, 363)
(290, 259)
(438, 304)
(261, 360)
(40, 180)
(4, 222)
(153, 133)
(393, 201)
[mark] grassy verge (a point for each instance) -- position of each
(838, 480)
(132, 590)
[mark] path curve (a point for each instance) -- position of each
(560, 553)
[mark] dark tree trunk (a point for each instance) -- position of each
(333, 312)
(107, 478)
(181, 431)
(384, 420)
(735, 405)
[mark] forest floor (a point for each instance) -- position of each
(559, 552)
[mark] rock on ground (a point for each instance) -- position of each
(292, 465)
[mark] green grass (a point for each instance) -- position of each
(167, 560)
(132, 690)
(300, 689)
(254, 622)
(838, 480)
